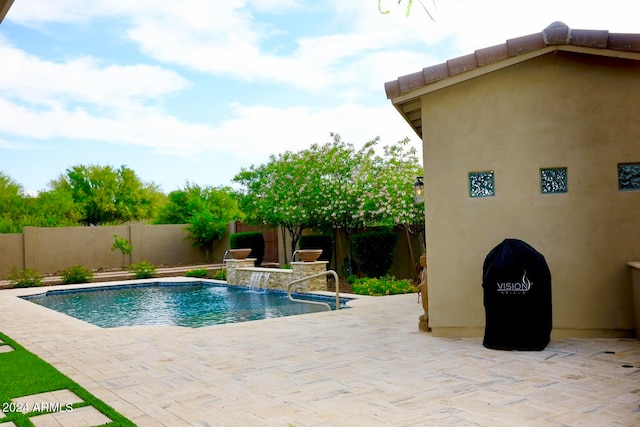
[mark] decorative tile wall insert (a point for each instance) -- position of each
(553, 180)
(628, 176)
(481, 184)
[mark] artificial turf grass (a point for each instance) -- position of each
(22, 373)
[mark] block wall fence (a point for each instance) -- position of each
(51, 250)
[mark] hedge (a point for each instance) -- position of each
(318, 241)
(249, 239)
(374, 251)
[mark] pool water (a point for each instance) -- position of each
(193, 304)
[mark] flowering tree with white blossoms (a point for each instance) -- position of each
(276, 194)
(390, 200)
(333, 186)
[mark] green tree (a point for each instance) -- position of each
(181, 204)
(123, 245)
(47, 209)
(108, 196)
(332, 186)
(275, 194)
(389, 199)
(9, 191)
(11, 204)
(51, 209)
(207, 211)
(341, 174)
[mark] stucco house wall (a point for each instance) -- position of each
(571, 109)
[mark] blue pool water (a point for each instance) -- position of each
(192, 304)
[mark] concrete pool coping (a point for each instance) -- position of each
(30, 292)
(366, 366)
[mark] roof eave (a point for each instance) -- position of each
(476, 72)
(5, 5)
(406, 100)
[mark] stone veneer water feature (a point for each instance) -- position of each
(243, 272)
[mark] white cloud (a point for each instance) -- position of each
(225, 37)
(261, 130)
(84, 100)
(39, 82)
(148, 128)
(342, 63)
(10, 145)
(255, 131)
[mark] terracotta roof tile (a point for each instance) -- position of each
(557, 33)
(392, 89)
(590, 38)
(411, 81)
(525, 44)
(462, 64)
(436, 72)
(492, 54)
(630, 42)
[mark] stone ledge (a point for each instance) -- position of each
(111, 276)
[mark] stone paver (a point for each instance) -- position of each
(5, 348)
(60, 403)
(44, 401)
(365, 366)
(86, 416)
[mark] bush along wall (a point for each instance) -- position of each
(374, 251)
(249, 239)
(318, 241)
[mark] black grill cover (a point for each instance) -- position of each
(517, 297)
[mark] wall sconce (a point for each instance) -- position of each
(418, 190)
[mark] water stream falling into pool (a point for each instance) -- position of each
(259, 280)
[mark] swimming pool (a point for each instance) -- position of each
(190, 304)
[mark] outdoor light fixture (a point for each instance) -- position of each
(418, 190)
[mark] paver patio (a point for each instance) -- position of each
(368, 365)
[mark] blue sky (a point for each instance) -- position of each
(193, 91)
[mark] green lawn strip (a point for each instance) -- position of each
(23, 373)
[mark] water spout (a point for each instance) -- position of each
(259, 280)
(293, 257)
(266, 280)
(225, 254)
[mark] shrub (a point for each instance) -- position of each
(220, 274)
(121, 244)
(318, 241)
(24, 278)
(387, 285)
(143, 270)
(197, 272)
(374, 251)
(76, 274)
(249, 239)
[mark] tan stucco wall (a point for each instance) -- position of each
(50, 250)
(11, 253)
(553, 111)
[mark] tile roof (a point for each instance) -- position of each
(405, 90)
